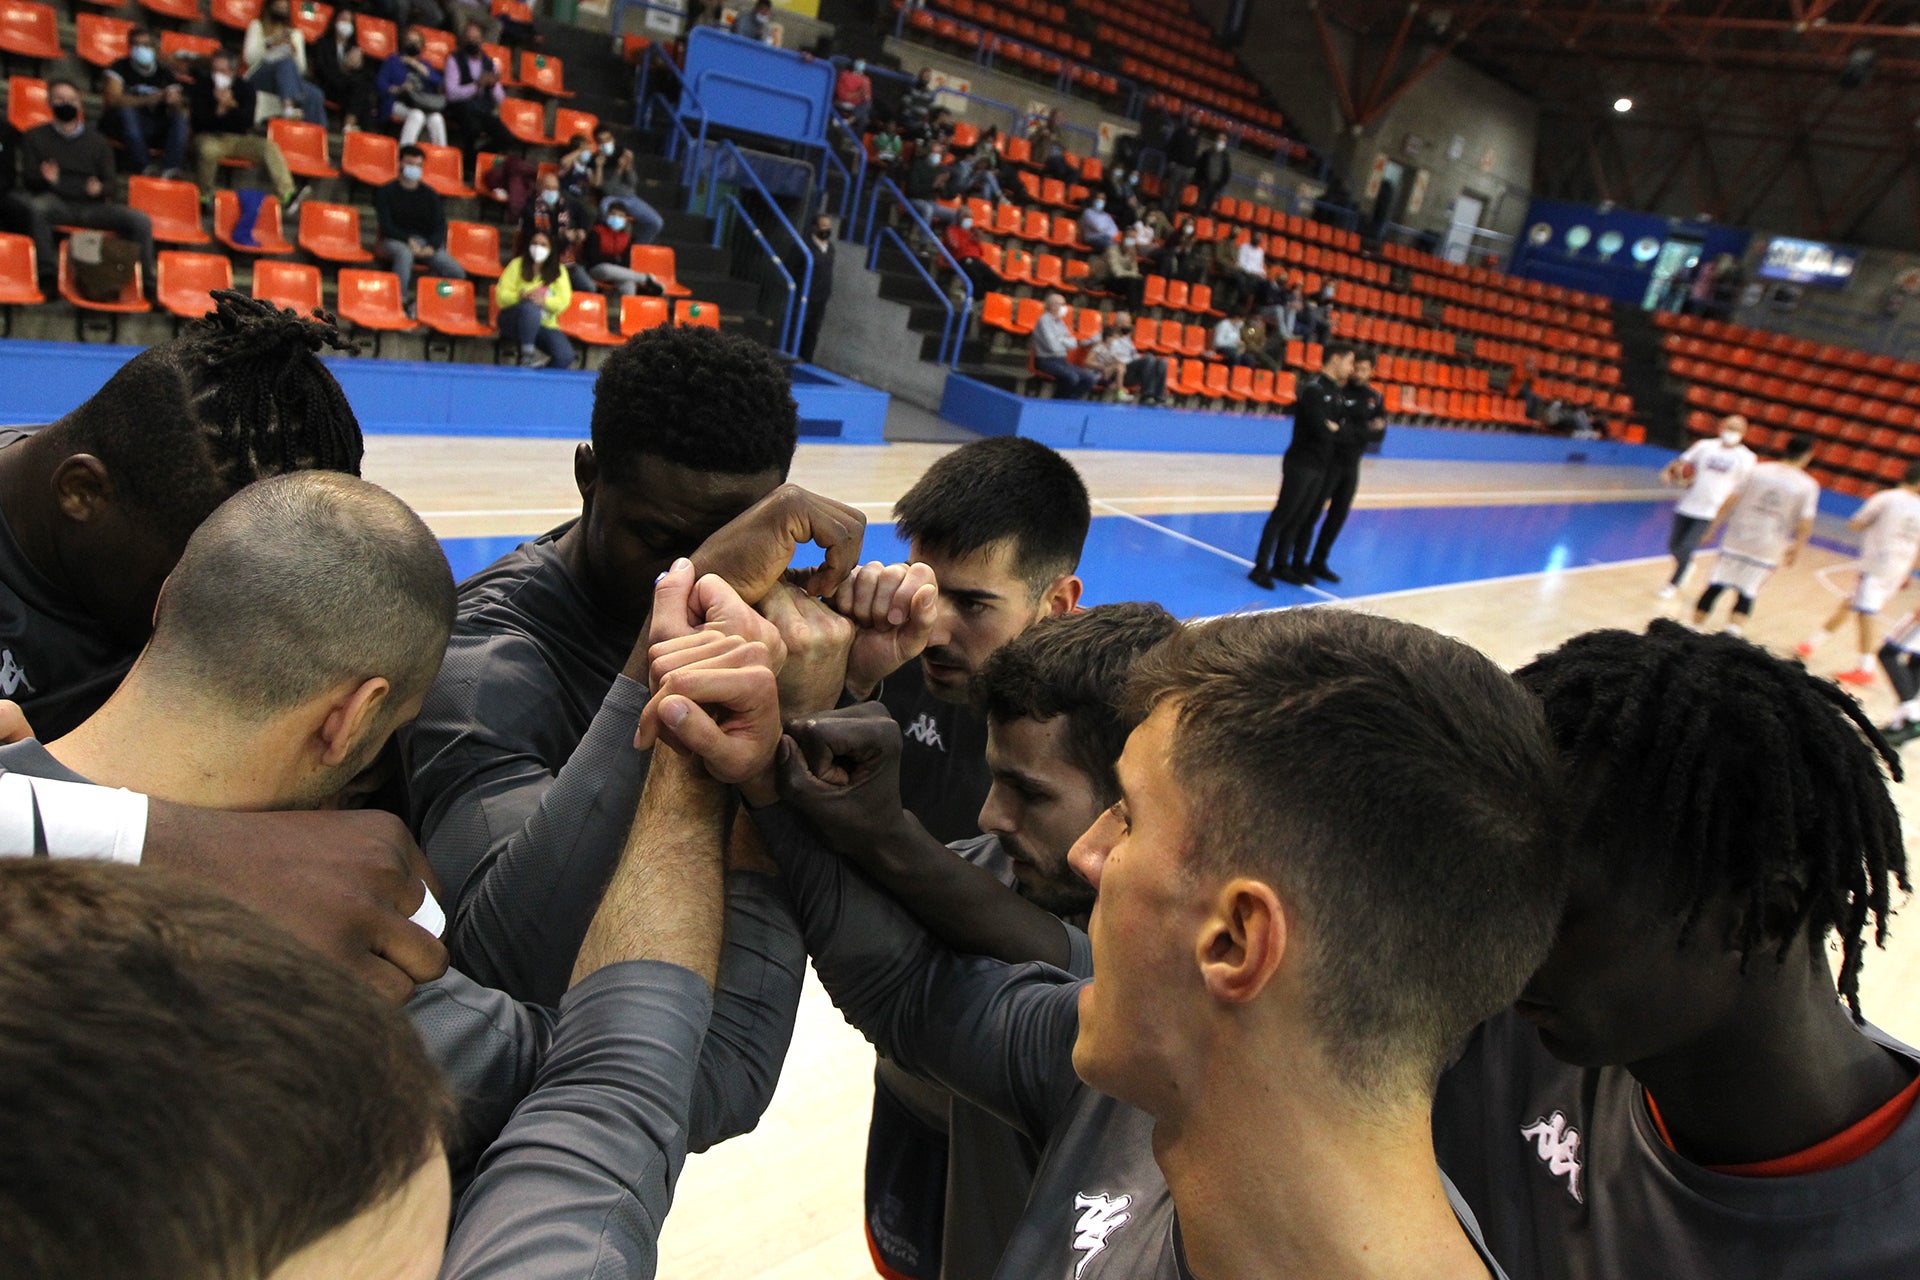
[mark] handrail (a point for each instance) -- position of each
(796, 314)
(643, 115)
(781, 267)
(851, 183)
(947, 328)
(887, 185)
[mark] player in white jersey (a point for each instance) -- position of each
(1767, 521)
(1891, 521)
(1711, 470)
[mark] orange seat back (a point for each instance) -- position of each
(639, 313)
(288, 284)
(700, 313)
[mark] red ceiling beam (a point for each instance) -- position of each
(1332, 58)
(1390, 61)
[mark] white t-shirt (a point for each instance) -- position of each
(1892, 521)
(1717, 472)
(1767, 509)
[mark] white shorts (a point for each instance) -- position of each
(1743, 575)
(1873, 592)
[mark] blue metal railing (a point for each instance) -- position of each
(695, 142)
(885, 187)
(745, 219)
(851, 181)
(797, 307)
(953, 328)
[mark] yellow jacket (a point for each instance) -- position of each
(514, 287)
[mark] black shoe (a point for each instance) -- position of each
(1292, 576)
(1323, 573)
(1261, 578)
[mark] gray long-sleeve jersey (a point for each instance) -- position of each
(1002, 1037)
(579, 1183)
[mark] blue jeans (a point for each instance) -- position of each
(283, 78)
(520, 324)
(142, 128)
(646, 219)
(400, 254)
(1070, 380)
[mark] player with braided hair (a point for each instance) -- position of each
(1697, 1094)
(95, 508)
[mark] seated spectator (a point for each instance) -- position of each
(1283, 314)
(1183, 256)
(937, 127)
(1097, 227)
(604, 256)
(970, 252)
(1213, 172)
(1116, 269)
(926, 184)
(884, 147)
(564, 222)
(1250, 269)
(412, 93)
(1053, 342)
(143, 107)
(616, 176)
(222, 107)
(534, 292)
(756, 23)
(1121, 364)
(67, 170)
(1255, 340)
(576, 169)
(974, 174)
(339, 66)
(853, 95)
(413, 225)
(1123, 195)
(274, 56)
(474, 95)
(917, 103)
(1047, 137)
(1228, 343)
(1316, 318)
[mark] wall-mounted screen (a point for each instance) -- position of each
(1808, 262)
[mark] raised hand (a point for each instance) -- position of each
(892, 608)
(841, 771)
(720, 701)
(754, 549)
(817, 641)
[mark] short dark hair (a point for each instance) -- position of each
(238, 396)
(57, 82)
(1400, 790)
(190, 1091)
(299, 583)
(1912, 474)
(1336, 349)
(1075, 665)
(138, 32)
(998, 488)
(1800, 446)
(1714, 768)
(413, 149)
(1363, 356)
(697, 397)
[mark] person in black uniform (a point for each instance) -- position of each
(1362, 423)
(1318, 408)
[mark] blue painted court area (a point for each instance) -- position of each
(1197, 564)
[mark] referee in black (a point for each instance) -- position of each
(1363, 423)
(1319, 411)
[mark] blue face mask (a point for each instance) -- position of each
(617, 224)
(411, 172)
(549, 198)
(143, 56)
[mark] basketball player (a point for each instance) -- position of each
(522, 775)
(1684, 1088)
(1891, 521)
(1363, 422)
(1318, 409)
(1333, 853)
(1900, 659)
(1768, 521)
(1711, 470)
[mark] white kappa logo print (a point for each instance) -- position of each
(1100, 1217)
(11, 676)
(1558, 1144)
(925, 732)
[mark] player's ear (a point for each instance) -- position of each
(355, 709)
(1242, 941)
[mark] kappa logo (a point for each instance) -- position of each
(1100, 1217)
(925, 732)
(12, 678)
(1557, 1143)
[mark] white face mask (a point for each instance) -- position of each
(606, 148)
(411, 172)
(538, 253)
(344, 30)
(1730, 438)
(221, 80)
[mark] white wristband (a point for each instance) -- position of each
(45, 817)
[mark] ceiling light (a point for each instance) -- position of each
(1623, 105)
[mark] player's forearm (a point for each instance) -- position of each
(961, 904)
(762, 968)
(665, 899)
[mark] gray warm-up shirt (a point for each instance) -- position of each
(1002, 1037)
(1575, 1183)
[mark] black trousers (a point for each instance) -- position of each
(1343, 478)
(1301, 488)
(1903, 670)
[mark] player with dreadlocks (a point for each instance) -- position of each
(1696, 1094)
(95, 508)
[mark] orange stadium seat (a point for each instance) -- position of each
(235, 15)
(332, 231)
(178, 42)
(638, 313)
(543, 73)
(312, 19)
(268, 236)
(657, 261)
(369, 157)
(29, 30)
(27, 102)
(475, 246)
(371, 299)
(19, 272)
(697, 313)
(567, 122)
(287, 284)
(304, 146)
(377, 37)
(173, 208)
(447, 307)
(186, 281)
(586, 319)
(525, 120)
(100, 41)
(443, 172)
(436, 46)
(132, 299)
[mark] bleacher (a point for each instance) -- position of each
(1860, 407)
(324, 259)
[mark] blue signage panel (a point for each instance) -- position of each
(743, 84)
(1808, 262)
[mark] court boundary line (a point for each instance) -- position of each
(1195, 542)
(1508, 577)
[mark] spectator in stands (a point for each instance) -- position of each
(474, 95)
(1250, 270)
(1283, 315)
(821, 244)
(604, 256)
(534, 293)
(1097, 227)
(974, 173)
(885, 146)
(564, 222)
(339, 66)
(1213, 172)
(926, 185)
(413, 224)
(917, 103)
(1255, 339)
(144, 108)
(67, 170)
(1120, 362)
(1116, 269)
(412, 94)
(616, 176)
(1123, 195)
(853, 95)
(1182, 154)
(412, 13)
(970, 252)
(1183, 256)
(1316, 317)
(274, 56)
(1053, 342)
(222, 106)
(756, 23)
(1046, 135)
(939, 127)
(1229, 344)
(576, 169)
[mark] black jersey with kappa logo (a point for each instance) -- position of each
(1571, 1178)
(56, 661)
(943, 764)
